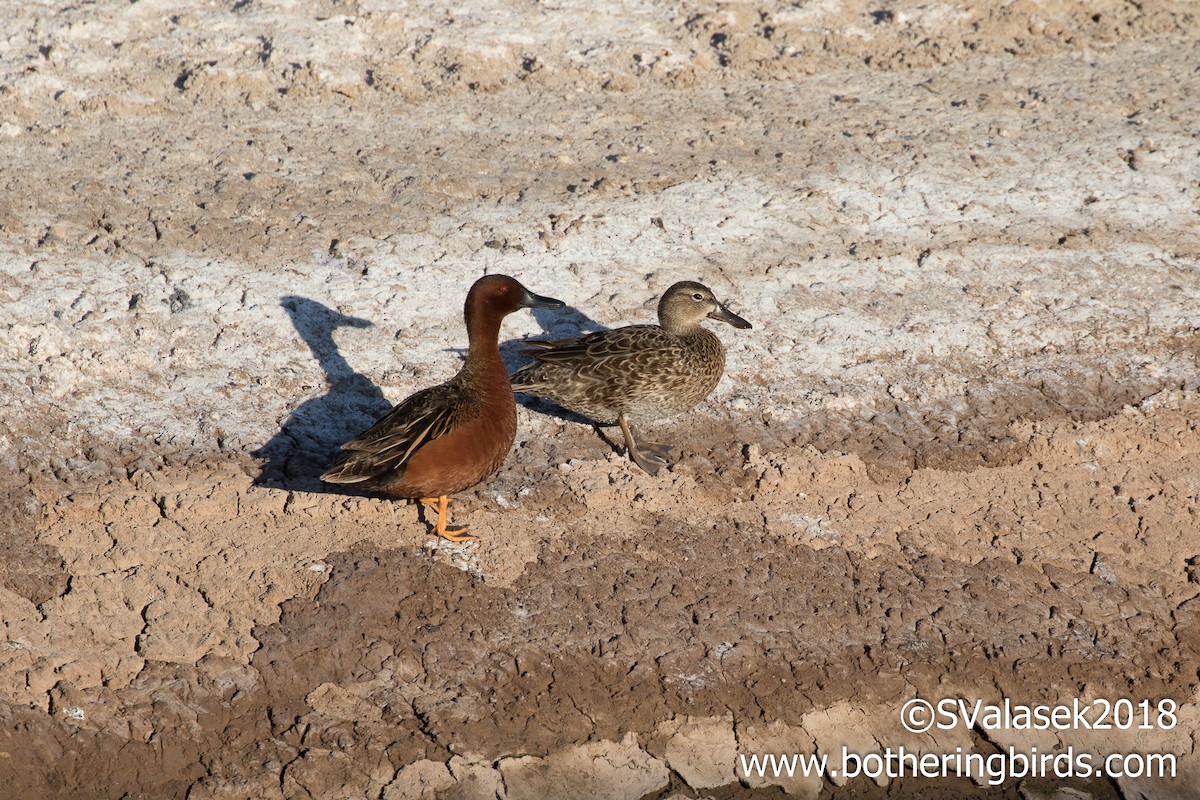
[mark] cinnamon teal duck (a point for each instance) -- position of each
(449, 437)
(639, 373)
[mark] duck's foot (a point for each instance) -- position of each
(455, 535)
(648, 455)
(649, 463)
(655, 452)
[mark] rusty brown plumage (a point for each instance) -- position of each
(448, 437)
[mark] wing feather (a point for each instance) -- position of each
(388, 444)
(603, 346)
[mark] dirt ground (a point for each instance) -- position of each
(956, 457)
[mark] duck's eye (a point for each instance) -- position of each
(697, 296)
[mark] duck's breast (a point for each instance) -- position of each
(673, 385)
(464, 456)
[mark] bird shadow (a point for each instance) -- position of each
(308, 441)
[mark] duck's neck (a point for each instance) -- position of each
(684, 330)
(483, 351)
(700, 339)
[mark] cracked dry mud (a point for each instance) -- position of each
(957, 456)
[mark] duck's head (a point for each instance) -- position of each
(687, 302)
(496, 296)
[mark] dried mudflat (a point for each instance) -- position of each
(957, 456)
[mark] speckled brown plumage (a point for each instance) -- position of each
(448, 437)
(638, 373)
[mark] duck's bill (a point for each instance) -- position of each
(532, 300)
(725, 315)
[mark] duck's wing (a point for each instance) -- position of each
(601, 346)
(388, 444)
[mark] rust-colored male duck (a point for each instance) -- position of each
(448, 437)
(639, 373)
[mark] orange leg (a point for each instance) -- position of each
(441, 504)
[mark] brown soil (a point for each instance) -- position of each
(957, 457)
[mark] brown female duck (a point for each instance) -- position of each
(638, 373)
(449, 437)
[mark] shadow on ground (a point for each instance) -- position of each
(309, 439)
